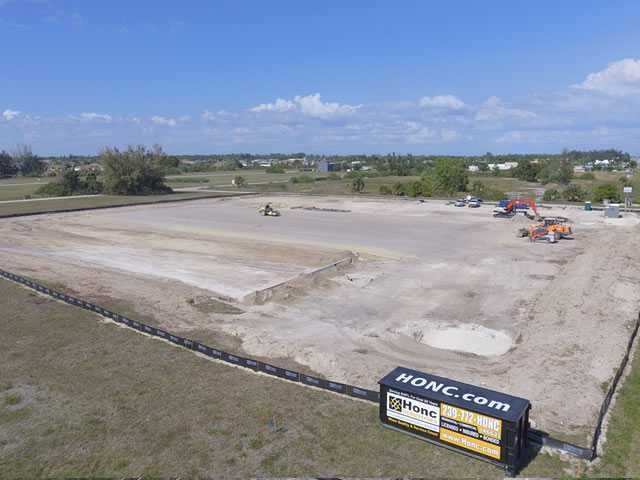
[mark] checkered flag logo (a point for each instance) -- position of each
(395, 404)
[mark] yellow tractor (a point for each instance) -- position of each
(267, 211)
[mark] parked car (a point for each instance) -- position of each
(474, 203)
(479, 200)
(461, 202)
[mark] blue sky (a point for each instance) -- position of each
(421, 77)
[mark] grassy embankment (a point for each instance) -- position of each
(42, 205)
(620, 455)
(83, 397)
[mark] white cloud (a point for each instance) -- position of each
(208, 116)
(423, 135)
(619, 78)
(442, 101)
(185, 118)
(100, 117)
(494, 109)
(448, 135)
(279, 106)
(52, 19)
(10, 114)
(163, 121)
(310, 105)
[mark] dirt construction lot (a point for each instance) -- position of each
(448, 291)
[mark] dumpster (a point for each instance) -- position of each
(475, 421)
(612, 210)
(587, 205)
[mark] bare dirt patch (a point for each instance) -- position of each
(448, 291)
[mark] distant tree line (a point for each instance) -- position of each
(22, 161)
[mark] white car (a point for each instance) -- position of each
(474, 203)
(461, 202)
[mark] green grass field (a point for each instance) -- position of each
(84, 397)
(262, 182)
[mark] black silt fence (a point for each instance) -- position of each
(534, 436)
(279, 372)
(612, 389)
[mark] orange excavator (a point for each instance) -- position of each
(509, 210)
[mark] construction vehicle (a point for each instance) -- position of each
(510, 209)
(554, 224)
(267, 211)
(543, 234)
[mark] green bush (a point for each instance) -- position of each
(357, 184)
(294, 180)
(412, 188)
(495, 194)
(587, 176)
(306, 179)
(333, 176)
(240, 181)
(52, 189)
(478, 188)
(70, 183)
(551, 194)
(384, 190)
(574, 193)
(606, 190)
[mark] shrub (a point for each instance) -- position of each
(70, 183)
(333, 176)
(606, 190)
(384, 190)
(426, 186)
(240, 181)
(587, 176)
(412, 188)
(477, 188)
(52, 189)
(495, 194)
(306, 179)
(357, 184)
(294, 180)
(551, 194)
(573, 193)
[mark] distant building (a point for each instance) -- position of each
(91, 167)
(473, 168)
(578, 169)
(326, 166)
